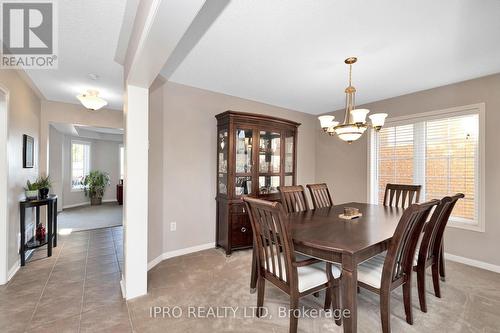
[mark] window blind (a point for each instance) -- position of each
(440, 154)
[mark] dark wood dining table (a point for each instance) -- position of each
(322, 234)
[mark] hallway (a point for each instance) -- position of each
(75, 290)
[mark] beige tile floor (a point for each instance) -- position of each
(77, 290)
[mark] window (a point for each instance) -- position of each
(80, 163)
(122, 162)
(442, 151)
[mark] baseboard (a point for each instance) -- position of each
(180, 252)
(472, 262)
(13, 270)
(87, 203)
(122, 287)
(77, 205)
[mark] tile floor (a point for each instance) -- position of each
(77, 290)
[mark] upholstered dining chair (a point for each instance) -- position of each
(430, 249)
(277, 263)
(320, 195)
(392, 269)
(293, 198)
(401, 195)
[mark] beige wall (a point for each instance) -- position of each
(24, 118)
(345, 166)
(189, 160)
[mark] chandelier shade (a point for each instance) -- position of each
(354, 125)
(91, 100)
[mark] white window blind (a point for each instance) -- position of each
(441, 153)
(80, 163)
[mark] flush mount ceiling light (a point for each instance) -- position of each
(91, 100)
(355, 119)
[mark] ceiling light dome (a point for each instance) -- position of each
(91, 100)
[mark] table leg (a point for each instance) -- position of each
(55, 223)
(253, 277)
(349, 293)
(49, 229)
(23, 234)
(37, 216)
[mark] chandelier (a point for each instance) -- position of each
(91, 100)
(354, 124)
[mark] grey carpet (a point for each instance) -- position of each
(90, 217)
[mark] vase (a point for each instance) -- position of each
(31, 195)
(95, 201)
(43, 192)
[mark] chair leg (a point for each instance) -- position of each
(385, 311)
(435, 279)
(336, 302)
(421, 288)
(261, 284)
(441, 264)
(407, 301)
(328, 299)
(294, 316)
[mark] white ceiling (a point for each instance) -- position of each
(88, 36)
(291, 53)
(90, 132)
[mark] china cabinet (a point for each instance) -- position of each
(255, 155)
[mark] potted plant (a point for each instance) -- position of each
(44, 185)
(94, 185)
(31, 190)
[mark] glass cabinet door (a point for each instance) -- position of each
(222, 148)
(289, 150)
(244, 144)
(269, 161)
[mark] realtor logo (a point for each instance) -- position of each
(28, 35)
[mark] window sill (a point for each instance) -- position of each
(477, 227)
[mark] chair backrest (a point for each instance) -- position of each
(430, 246)
(401, 195)
(320, 195)
(272, 239)
(293, 198)
(401, 251)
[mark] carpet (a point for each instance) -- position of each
(90, 217)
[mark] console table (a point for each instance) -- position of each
(51, 235)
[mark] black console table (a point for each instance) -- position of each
(51, 233)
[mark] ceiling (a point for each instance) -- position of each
(291, 53)
(88, 36)
(90, 132)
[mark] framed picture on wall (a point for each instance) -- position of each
(28, 151)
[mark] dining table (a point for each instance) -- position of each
(322, 234)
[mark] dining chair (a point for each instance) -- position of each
(277, 263)
(401, 195)
(293, 198)
(320, 195)
(391, 269)
(430, 249)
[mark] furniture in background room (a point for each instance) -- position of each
(119, 193)
(320, 195)
(293, 198)
(255, 155)
(51, 236)
(430, 253)
(278, 264)
(401, 195)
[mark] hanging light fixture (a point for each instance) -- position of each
(91, 100)
(354, 125)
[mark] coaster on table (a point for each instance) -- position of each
(350, 217)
